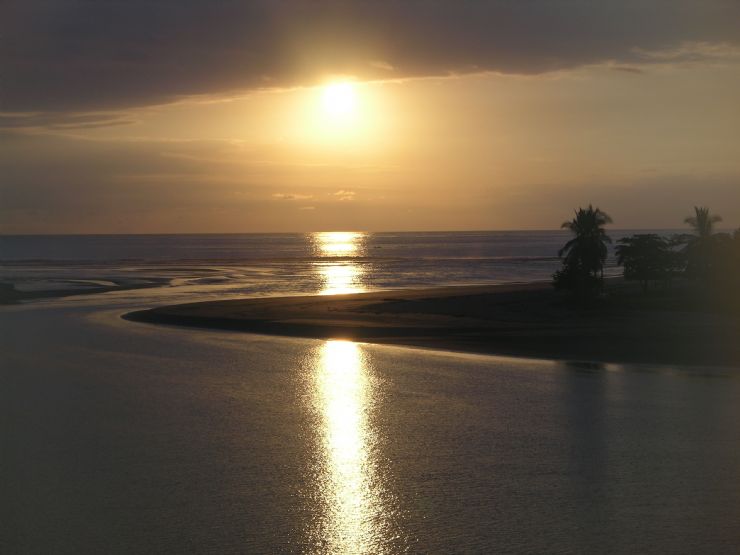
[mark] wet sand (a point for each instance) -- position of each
(516, 319)
(10, 295)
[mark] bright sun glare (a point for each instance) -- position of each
(339, 100)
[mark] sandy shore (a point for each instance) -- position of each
(518, 319)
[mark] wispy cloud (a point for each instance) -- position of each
(291, 196)
(52, 121)
(629, 69)
(343, 195)
(692, 52)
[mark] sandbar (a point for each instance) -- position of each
(522, 319)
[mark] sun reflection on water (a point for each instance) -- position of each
(338, 271)
(339, 243)
(343, 398)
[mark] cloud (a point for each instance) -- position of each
(629, 69)
(35, 121)
(344, 195)
(284, 196)
(692, 52)
(72, 56)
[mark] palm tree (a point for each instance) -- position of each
(700, 246)
(586, 253)
(703, 222)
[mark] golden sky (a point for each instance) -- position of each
(499, 135)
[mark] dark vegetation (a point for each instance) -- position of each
(584, 255)
(700, 269)
(649, 258)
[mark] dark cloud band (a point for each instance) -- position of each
(77, 55)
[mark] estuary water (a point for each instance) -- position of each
(122, 437)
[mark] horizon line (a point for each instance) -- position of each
(114, 234)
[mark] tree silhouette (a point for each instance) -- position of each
(584, 255)
(703, 222)
(646, 257)
(724, 264)
(700, 246)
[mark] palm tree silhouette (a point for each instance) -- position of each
(700, 246)
(586, 253)
(703, 222)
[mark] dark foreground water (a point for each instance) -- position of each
(119, 437)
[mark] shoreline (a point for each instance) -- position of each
(9, 295)
(519, 319)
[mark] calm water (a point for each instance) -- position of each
(253, 264)
(120, 437)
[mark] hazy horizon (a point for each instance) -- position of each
(718, 229)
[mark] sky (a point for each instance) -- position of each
(184, 116)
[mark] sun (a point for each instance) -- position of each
(339, 100)
(342, 113)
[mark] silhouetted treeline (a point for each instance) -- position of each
(703, 257)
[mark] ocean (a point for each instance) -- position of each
(284, 263)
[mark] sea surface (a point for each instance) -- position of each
(123, 437)
(278, 264)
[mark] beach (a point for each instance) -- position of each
(522, 319)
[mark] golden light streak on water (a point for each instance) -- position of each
(340, 276)
(343, 395)
(339, 243)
